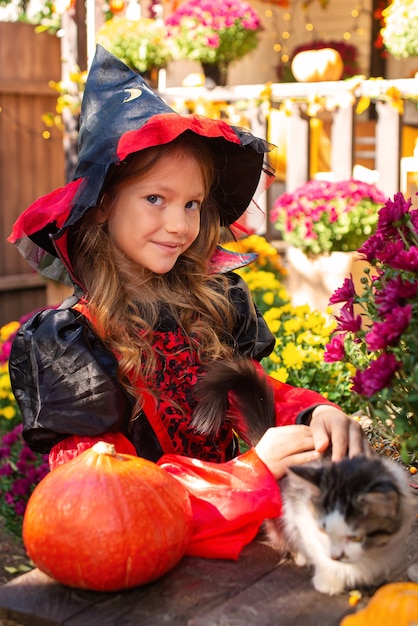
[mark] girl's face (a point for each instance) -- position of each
(155, 217)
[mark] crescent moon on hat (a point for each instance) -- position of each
(133, 93)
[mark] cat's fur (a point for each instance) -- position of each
(349, 520)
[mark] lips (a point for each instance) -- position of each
(169, 245)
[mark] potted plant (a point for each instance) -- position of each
(141, 44)
(323, 223)
(214, 32)
(384, 350)
(324, 216)
(399, 34)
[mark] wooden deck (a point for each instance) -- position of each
(253, 591)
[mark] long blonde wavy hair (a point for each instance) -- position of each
(125, 299)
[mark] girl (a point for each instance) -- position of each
(155, 302)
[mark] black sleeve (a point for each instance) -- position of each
(251, 334)
(65, 381)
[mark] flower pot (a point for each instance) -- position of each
(216, 74)
(313, 281)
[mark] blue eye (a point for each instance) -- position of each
(193, 204)
(154, 199)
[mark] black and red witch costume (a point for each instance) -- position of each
(65, 379)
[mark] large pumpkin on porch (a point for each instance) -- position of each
(310, 66)
(107, 521)
(394, 603)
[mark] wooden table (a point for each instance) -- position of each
(253, 591)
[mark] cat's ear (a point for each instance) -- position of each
(306, 476)
(381, 504)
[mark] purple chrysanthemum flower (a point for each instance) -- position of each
(394, 294)
(334, 351)
(390, 251)
(378, 375)
(372, 247)
(391, 214)
(13, 436)
(406, 260)
(8, 498)
(6, 470)
(346, 293)
(20, 507)
(388, 332)
(347, 320)
(21, 487)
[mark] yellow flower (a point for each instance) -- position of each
(280, 374)
(395, 99)
(292, 356)
(274, 313)
(4, 378)
(268, 298)
(282, 293)
(275, 358)
(292, 326)
(272, 319)
(302, 310)
(274, 326)
(310, 339)
(279, 343)
(7, 330)
(259, 279)
(9, 412)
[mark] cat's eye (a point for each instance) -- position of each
(355, 538)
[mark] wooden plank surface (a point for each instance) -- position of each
(193, 585)
(253, 591)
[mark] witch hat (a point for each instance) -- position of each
(120, 115)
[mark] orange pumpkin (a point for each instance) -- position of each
(394, 603)
(107, 521)
(310, 66)
(116, 6)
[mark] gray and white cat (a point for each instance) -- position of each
(349, 520)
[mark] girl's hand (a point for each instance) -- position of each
(283, 446)
(331, 427)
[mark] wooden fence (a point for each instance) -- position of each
(30, 165)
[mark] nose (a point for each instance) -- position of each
(176, 220)
(337, 555)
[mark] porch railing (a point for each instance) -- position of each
(393, 103)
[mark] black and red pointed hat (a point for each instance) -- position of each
(120, 115)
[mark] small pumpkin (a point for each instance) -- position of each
(310, 66)
(394, 603)
(107, 521)
(116, 6)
